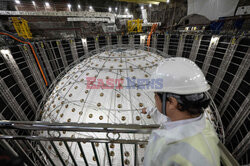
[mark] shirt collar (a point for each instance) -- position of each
(172, 124)
(181, 130)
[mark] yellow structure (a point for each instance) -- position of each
(21, 27)
(135, 25)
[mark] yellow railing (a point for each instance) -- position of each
(21, 27)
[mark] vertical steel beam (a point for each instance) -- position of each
(166, 43)
(135, 159)
(57, 152)
(181, 45)
(34, 152)
(83, 155)
(97, 47)
(195, 47)
(46, 153)
(108, 39)
(108, 153)
(12, 103)
(224, 65)
(46, 60)
(131, 40)
(211, 50)
(19, 78)
(95, 153)
(73, 49)
(240, 117)
(143, 40)
(119, 40)
(70, 153)
(241, 72)
(242, 147)
(85, 45)
(62, 53)
(53, 60)
(7, 147)
(18, 148)
(122, 158)
(35, 72)
(154, 42)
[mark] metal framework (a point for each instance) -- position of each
(21, 27)
(34, 127)
(235, 121)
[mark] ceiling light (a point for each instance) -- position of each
(47, 4)
(5, 51)
(69, 6)
(110, 9)
(17, 1)
(168, 1)
(150, 5)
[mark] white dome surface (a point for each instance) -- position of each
(73, 101)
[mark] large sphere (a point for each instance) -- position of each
(74, 99)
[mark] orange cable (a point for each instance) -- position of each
(33, 51)
(153, 28)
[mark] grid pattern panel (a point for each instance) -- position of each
(188, 46)
(173, 45)
(202, 50)
(217, 58)
(79, 47)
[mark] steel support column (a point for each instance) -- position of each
(154, 42)
(85, 46)
(22, 83)
(240, 117)
(97, 44)
(12, 103)
(211, 50)
(241, 72)
(62, 53)
(195, 47)
(109, 43)
(35, 72)
(224, 65)
(46, 60)
(119, 40)
(242, 147)
(166, 43)
(181, 45)
(131, 40)
(73, 49)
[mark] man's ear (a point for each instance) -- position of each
(173, 101)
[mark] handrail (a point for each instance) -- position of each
(226, 157)
(80, 127)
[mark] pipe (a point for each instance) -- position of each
(33, 51)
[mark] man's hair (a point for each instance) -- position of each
(194, 104)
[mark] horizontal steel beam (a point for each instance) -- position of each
(75, 19)
(80, 127)
(70, 139)
(142, 1)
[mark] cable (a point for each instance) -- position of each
(33, 51)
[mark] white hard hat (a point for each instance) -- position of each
(180, 76)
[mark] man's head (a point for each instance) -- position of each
(181, 107)
(183, 88)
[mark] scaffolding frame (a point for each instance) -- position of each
(21, 27)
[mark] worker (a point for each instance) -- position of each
(186, 137)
